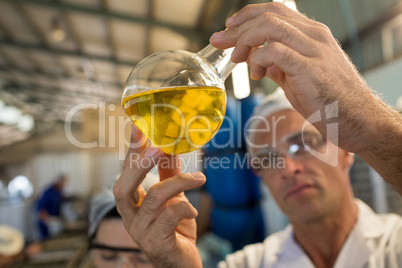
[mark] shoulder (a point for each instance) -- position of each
(370, 222)
(49, 189)
(389, 246)
(383, 235)
(256, 255)
(392, 228)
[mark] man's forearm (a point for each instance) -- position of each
(371, 129)
(383, 150)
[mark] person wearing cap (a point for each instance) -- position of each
(109, 242)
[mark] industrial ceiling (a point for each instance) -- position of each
(57, 54)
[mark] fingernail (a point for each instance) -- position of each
(230, 20)
(198, 175)
(152, 152)
(218, 35)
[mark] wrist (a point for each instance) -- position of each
(382, 131)
(363, 122)
(380, 146)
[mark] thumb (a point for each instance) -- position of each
(169, 166)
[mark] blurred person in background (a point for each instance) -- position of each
(49, 208)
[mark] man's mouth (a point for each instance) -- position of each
(299, 189)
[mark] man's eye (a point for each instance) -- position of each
(269, 161)
(108, 256)
(313, 140)
(143, 259)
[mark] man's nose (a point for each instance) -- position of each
(292, 166)
(126, 265)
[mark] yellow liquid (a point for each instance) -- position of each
(178, 119)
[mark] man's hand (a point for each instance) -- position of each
(301, 56)
(306, 61)
(162, 221)
(43, 215)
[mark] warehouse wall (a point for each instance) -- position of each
(387, 80)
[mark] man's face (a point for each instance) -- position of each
(61, 183)
(305, 188)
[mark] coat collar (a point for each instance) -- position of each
(354, 253)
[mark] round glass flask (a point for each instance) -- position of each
(178, 98)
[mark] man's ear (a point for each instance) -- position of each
(347, 159)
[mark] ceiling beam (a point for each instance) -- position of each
(52, 76)
(109, 41)
(148, 33)
(228, 7)
(27, 18)
(109, 37)
(63, 52)
(56, 92)
(7, 58)
(376, 24)
(202, 16)
(6, 33)
(49, 94)
(210, 23)
(186, 31)
(71, 33)
(55, 95)
(29, 22)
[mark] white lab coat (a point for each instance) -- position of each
(374, 242)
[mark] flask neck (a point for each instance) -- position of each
(220, 59)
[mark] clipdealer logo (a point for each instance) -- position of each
(233, 130)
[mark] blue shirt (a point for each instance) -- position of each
(51, 201)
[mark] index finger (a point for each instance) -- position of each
(140, 159)
(251, 11)
(130, 179)
(138, 143)
(169, 166)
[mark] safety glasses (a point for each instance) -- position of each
(119, 256)
(296, 146)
